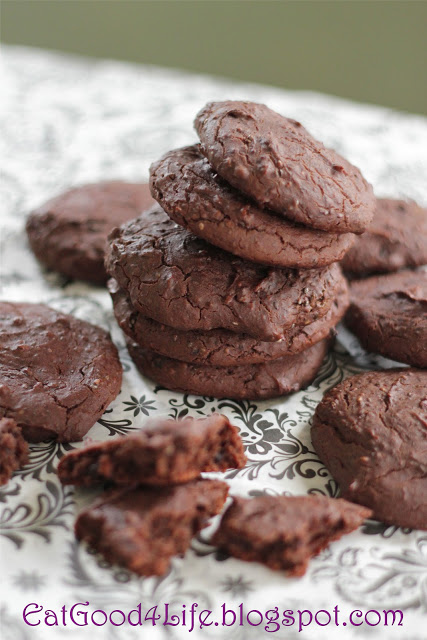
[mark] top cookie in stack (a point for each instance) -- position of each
(250, 319)
(262, 188)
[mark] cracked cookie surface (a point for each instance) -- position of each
(396, 238)
(370, 432)
(220, 347)
(69, 232)
(389, 315)
(252, 381)
(275, 161)
(175, 278)
(57, 373)
(193, 195)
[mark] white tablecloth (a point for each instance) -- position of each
(66, 121)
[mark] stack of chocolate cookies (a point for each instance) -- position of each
(229, 287)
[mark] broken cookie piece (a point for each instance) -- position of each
(141, 529)
(165, 452)
(13, 449)
(285, 532)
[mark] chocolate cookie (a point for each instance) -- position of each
(220, 347)
(275, 161)
(195, 197)
(179, 280)
(141, 529)
(254, 381)
(57, 373)
(389, 315)
(285, 532)
(69, 233)
(370, 432)
(13, 449)
(164, 452)
(396, 238)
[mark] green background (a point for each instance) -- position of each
(374, 51)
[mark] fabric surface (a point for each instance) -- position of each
(67, 121)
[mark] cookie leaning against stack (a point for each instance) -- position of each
(236, 300)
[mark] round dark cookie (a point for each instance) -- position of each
(389, 315)
(220, 347)
(57, 373)
(193, 195)
(175, 278)
(396, 238)
(253, 381)
(69, 233)
(370, 432)
(275, 161)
